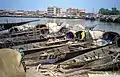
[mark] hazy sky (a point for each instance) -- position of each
(43, 4)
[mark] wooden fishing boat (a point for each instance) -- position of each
(99, 59)
(7, 25)
(8, 42)
(106, 63)
(62, 53)
(107, 59)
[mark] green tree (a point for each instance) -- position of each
(102, 10)
(107, 12)
(113, 11)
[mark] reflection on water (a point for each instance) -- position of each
(109, 27)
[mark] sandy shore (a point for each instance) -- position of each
(50, 71)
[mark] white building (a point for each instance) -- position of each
(54, 11)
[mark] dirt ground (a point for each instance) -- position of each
(33, 72)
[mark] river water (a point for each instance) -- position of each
(100, 25)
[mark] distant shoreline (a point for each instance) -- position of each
(23, 16)
(109, 20)
(42, 17)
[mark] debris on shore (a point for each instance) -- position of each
(52, 50)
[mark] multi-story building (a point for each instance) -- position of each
(72, 11)
(82, 12)
(54, 11)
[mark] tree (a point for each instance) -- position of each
(102, 10)
(107, 12)
(113, 11)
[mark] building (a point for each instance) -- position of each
(54, 11)
(38, 12)
(73, 11)
(6, 12)
(82, 12)
(30, 12)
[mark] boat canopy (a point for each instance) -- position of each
(110, 36)
(118, 41)
(80, 35)
(70, 34)
(40, 26)
(43, 28)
